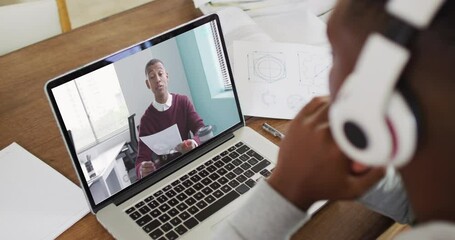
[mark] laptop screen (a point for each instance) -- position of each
(132, 114)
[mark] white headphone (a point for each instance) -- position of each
(369, 119)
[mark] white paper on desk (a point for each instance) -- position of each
(237, 25)
(294, 21)
(276, 80)
(163, 142)
(296, 25)
(319, 7)
(37, 202)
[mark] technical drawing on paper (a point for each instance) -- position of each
(314, 68)
(277, 79)
(268, 98)
(296, 101)
(266, 67)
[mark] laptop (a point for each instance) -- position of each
(99, 107)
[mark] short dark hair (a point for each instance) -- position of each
(150, 63)
(366, 16)
(442, 25)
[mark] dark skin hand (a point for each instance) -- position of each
(147, 167)
(310, 165)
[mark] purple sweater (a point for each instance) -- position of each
(181, 112)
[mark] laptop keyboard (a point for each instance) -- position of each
(178, 207)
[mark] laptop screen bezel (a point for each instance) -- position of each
(142, 184)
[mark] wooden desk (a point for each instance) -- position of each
(26, 117)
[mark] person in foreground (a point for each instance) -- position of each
(312, 163)
(166, 110)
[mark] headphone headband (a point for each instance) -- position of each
(418, 13)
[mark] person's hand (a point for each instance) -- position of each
(310, 165)
(185, 146)
(146, 168)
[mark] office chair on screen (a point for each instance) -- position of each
(133, 136)
(129, 152)
(71, 138)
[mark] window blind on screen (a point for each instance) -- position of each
(219, 51)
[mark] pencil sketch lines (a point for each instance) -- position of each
(296, 101)
(266, 67)
(314, 68)
(268, 98)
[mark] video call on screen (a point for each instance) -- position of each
(98, 107)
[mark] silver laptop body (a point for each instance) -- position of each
(187, 197)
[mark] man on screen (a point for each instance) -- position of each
(166, 110)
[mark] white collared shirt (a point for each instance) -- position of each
(161, 107)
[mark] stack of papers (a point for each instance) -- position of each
(276, 77)
(279, 52)
(265, 7)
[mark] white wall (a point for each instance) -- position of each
(28, 22)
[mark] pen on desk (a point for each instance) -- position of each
(272, 130)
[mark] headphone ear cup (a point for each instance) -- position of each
(361, 132)
(375, 138)
(403, 127)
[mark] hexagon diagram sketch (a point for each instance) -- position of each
(266, 67)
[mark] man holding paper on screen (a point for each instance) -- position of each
(166, 110)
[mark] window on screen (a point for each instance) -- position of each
(93, 110)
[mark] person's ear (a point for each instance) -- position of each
(147, 83)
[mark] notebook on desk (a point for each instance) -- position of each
(190, 193)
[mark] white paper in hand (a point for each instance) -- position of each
(163, 142)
